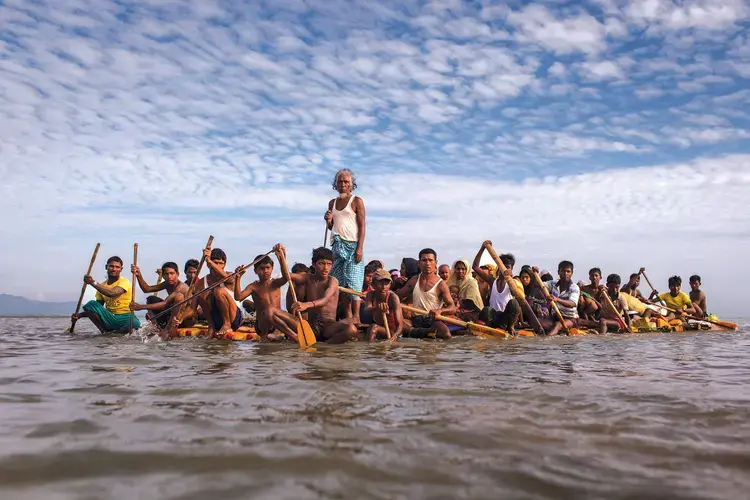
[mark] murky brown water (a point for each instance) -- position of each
(649, 416)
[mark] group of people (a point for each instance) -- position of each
(374, 298)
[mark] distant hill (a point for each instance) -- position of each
(11, 305)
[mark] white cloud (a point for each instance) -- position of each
(702, 14)
(537, 24)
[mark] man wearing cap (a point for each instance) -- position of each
(382, 305)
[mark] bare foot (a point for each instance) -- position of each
(223, 331)
(211, 333)
(293, 337)
(275, 337)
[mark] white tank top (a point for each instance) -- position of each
(345, 222)
(428, 300)
(498, 300)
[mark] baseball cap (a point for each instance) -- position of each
(381, 274)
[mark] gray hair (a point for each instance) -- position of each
(348, 172)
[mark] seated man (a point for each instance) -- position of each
(589, 305)
(610, 319)
(430, 293)
(679, 302)
(697, 296)
(565, 294)
(631, 287)
(110, 311)
(219, 307)
(321, 291)
(176, 290)
(383, 304)
(266, 293)
(502, 310)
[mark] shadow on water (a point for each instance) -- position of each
(648, 416)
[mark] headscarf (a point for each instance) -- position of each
(468, 288)
(411, 266)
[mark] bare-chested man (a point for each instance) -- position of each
(322, 297)
(429, 292)
(176, 290)
(219, 307)
(266, 292)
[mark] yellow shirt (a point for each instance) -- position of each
(633, 303)
(120, 304)
(678, 303)
(519, 285)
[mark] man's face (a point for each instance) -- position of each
(114, 269)
(381, 287)
(635, 282)
(427, 263)
(264, 271)
(565, 273)
(595, 278)
(170, 276)
(674, 289)
(613, 288)
(190, 273)
(344, 184)
(323, 268)
(444, 272)
(695, 285)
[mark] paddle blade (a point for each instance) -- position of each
(305, 335)
(725, 324)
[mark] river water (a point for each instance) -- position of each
(645, 416)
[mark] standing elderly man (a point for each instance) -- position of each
(346, 220)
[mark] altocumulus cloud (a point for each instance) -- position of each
(608, 132)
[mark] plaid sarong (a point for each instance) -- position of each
(350, 274)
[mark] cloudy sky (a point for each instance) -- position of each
(607, 132)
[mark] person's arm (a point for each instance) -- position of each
(689, 308)
(408, 288)
(395, 306)
(104, 290)
(240, 295)
(481, 273)
(212, 265)
(145, 287)
(624, 306)
(444, 294)
(329, 214)
(158, 306)
(369, 304)
(333, 288)
(359, 210)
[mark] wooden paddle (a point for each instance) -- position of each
(191, 288)
(553, 305)
(445, 319)
(643, 272)
(132, 287)
(325, 236)
(83, 288)
(208, 288)
(517, 294)
(385, 325)
(305, 334)
(620, 320)
(723, 324)
(158, 280)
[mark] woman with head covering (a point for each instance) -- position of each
(467, 289)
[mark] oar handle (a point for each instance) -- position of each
(83, 288)
(440, 317)
(158, 280)
(548, 296)
(385, 325)
(620, 321)
(285, 273)
(132, 287)
(208, 288)
(643, 272)
(325, 236)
